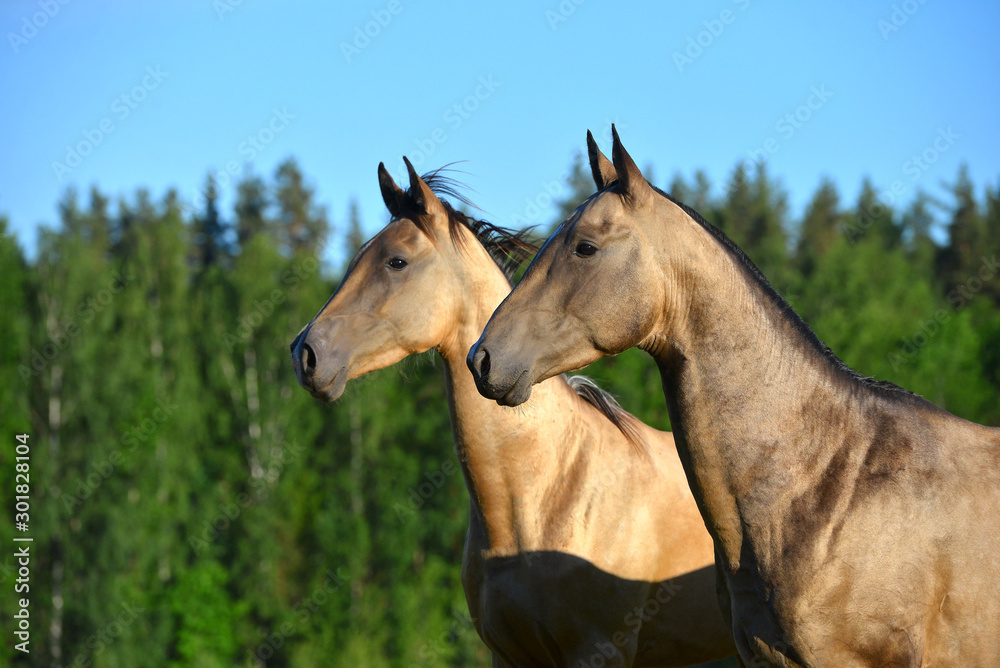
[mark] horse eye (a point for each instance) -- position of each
(585, 249)
(396, 263)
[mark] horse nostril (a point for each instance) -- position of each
(482, 362)
(308, 359)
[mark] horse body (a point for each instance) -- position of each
(566, 562)
(861, 531)
(854, 522)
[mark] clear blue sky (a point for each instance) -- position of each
(226, 71)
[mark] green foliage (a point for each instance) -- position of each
(193, 506)
(206, 616)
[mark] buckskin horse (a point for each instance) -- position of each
(585, 546)
(855, 523)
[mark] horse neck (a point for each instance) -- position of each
(510, 457)
(750, 398)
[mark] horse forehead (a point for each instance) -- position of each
(598, 215)
(402, 230)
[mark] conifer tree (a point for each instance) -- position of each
(821, 225)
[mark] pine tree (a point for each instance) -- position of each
(251, 209)
(820, 226)
(302, 226)
(753, 215)
(916, 224)
(959, 260)
(210, 232)
(991, 243)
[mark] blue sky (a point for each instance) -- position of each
(167, 91)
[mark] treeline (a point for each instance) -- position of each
(190, 505)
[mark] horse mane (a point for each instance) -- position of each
(508, 248)
(609, 407)
(784, 308)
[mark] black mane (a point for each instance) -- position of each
(509, 249)
(605, 402)
(784, 308)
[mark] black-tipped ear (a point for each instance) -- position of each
(634, 188)
(391, 193)
(601, 168)
(423, 197)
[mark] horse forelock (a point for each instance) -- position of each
(508, 248)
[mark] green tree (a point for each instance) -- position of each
(961, 257)
(753, 215)
(302, 226)
(821, 225)
(210, 231)
(251, 208)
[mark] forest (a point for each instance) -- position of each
(191, 505)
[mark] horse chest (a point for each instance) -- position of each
(537, 606)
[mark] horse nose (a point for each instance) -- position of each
(303, 359)
(479, 362)
(307, 359)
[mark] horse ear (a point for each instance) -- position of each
(602, 168)
(633, 186)
(423, 197)
(391, 193)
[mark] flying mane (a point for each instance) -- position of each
(509, 249)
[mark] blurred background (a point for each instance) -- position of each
(183, 183)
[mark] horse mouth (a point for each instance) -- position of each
(518, 393)
(332, 390)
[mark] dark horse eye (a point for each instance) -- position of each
(396, 263)
(584, 249)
